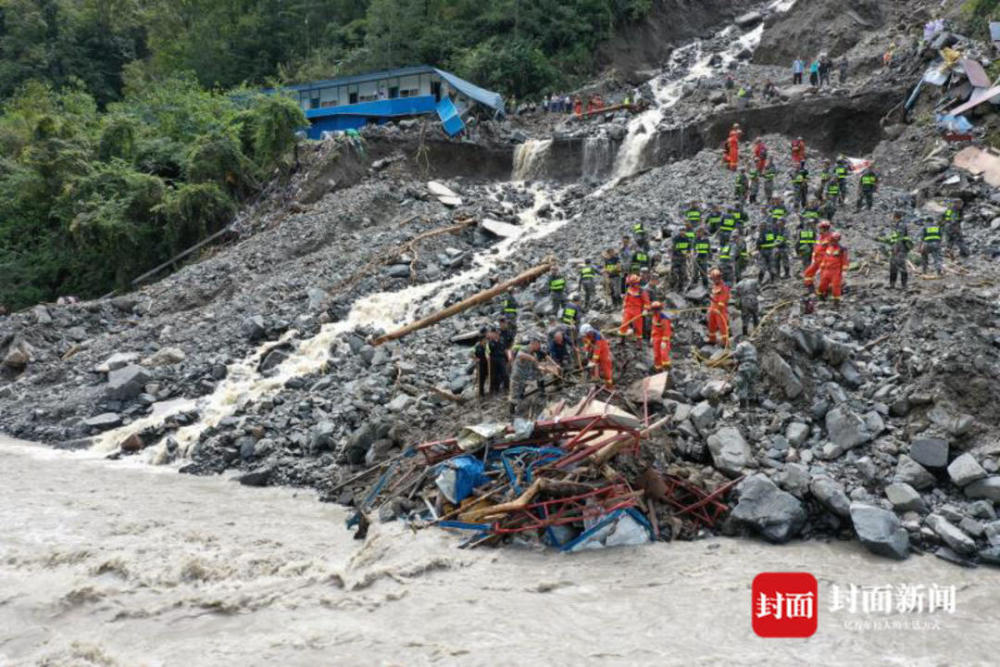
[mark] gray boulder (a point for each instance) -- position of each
(955, 424)
(831, 495)
(116, 361)
(767, 510)
(126, 383)
(321, 436)
(781, 374)
(104, 421)
(965, 470)
(730, 452)
(880, 531)
(845, 430)
(951, 534)
(703, 417)
(905, 498)
(797, 433)
(988, 488)
(910, 472)
(930, 452)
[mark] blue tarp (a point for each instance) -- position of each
(958, 124)
(485, 97)
(450, 118)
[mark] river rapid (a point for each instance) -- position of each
(121, 563)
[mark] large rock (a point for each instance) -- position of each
(951, 534)
(17, 357)
(955, 424)
(781, 374)
(764, 508)
(116, 361)
(831, 495)
(797, 433)
(166, 356)
(910, 472)
(703, 417)
(748, 19)
(730, 452)
(965, 470)
(126, 383)
(988, 488)
(844, 430)
(104, 421)
(321, 436)
(930, 452)
(880, 531)
(905, 498)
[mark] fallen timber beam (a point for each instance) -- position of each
(474, 300)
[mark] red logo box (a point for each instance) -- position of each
(784, 604)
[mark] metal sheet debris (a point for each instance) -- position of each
(977, 99)
(504, 229)
(977, 161)
(976, 73)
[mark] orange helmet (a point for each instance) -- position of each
(715, 274)
(632, 280)
(824, 224)
(835, 237)
(656, 305)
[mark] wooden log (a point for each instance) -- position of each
(474, 300)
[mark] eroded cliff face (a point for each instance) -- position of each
(646, 44)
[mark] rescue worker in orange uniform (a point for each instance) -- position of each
(636, 307)
(798, 152)
(733, 147)
(760, 154)
(596, 346)
(832, 267)
(662, 333)
(718, 310)
(819, 248)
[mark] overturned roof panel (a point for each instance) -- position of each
(976, 73)
(472, 91)
(995, 31)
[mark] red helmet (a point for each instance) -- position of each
(835, 237)
(824, 224)
(656, 305)
(632, 280)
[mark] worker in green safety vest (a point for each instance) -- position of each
(557, 288)
(868, 186)
(588, 280)
(930, 247)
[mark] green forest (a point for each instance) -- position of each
(130, 129)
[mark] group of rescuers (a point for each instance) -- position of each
(626, 272)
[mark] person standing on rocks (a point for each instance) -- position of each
(747, 293)
(733, 146)
(834, 263)
(599, 353)
(742, 184)
(867, 188)
(833, 194)
(635, 308)
(899, 245)
(718, 310)
(782, 265)
(825, 174)
(692, 214)
(930, 247)
(640, 260)
(499, 380)
(662, 329)
(754, 185)
(557, 288)
(798, 68)
(527, 367)
(843, 67)
(508, 307)
(727, 261)
(766, 241)
(770, 173)
(680, 249)
(747, 373)
(729, 224)
(506, 333)
(777, 211)
(714, 218)
(814, 74)
(806, 240)
(588, 276)
(702, 255)
(613, 275)
(570, 313)
(824, 228)
(639, 234)
(952, 219)
(798, 152)
(760, 154)
(842, 170)
(800, 181)
(825, 66)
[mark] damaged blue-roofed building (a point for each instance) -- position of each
(351, 102)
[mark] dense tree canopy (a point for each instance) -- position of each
(129, 129)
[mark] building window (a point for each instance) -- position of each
(393, 92)
(353, 97)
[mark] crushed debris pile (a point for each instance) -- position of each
(583, 476)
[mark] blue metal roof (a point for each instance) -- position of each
(485, 97)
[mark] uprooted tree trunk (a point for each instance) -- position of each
(474, 300)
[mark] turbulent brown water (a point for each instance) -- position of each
(126, 564)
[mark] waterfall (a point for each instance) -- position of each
(597, 156)
(529, 159)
